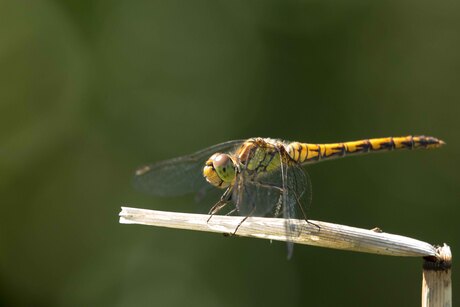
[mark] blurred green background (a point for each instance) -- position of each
(89, 90)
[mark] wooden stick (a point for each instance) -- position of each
(313, 233)
(436, 284)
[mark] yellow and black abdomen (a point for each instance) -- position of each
(310, 153)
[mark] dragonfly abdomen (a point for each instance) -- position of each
(309, 153)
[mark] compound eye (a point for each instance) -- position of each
(221, 160)
(224, 167)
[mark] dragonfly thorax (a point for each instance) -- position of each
(255, 157)
(220, 170)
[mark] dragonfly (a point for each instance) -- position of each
(260, 176)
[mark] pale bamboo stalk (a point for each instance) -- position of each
(314, 233)
(437, 284)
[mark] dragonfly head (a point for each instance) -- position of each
(220, 170)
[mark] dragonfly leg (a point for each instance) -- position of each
(305, 215)
(297, 198)
(279, 204)
(216, 208)
(232, 211)
(243, 220)
(311, 223)
(267, 186)
(223, 201)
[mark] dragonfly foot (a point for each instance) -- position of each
(316, 225)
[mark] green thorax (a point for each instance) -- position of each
(261, 156)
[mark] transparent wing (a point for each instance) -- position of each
(297, 199)
(283, 193)
(298, 189)
(258, 195)
(180, 175)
